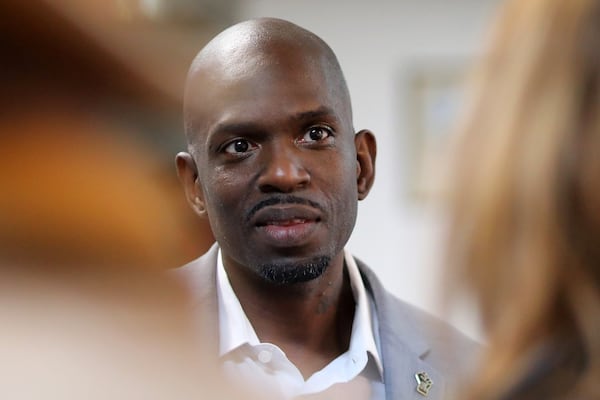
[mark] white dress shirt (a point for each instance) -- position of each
(355, 374)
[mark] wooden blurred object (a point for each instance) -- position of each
(86, 58)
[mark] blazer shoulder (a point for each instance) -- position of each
(436, 330)
(199, 274)
(422, 320)
(199, 278)
(208, 258)
(429, 336)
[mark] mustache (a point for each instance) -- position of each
(281, 199)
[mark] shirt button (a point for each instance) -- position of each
(265, 356)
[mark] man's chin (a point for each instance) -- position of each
(288, 273)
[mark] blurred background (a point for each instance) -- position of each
(404, 61)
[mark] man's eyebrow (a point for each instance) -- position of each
(234, 128)
(320, 112)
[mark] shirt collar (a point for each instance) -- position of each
(235, 330)
(365, 319)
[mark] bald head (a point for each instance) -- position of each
(265, 50)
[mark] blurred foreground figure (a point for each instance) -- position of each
(86, 310)
(85, 231)
(526, 228)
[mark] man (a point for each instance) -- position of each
(275, 166)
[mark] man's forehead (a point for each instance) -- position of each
(254, 67)
(229, 59)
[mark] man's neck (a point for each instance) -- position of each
(311, 321)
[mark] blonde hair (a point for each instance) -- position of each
(525, 231)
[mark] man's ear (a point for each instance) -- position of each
(188, 176)
(366, 151)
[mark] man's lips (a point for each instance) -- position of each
(286, 225)
(285, 215)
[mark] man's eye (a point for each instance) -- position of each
(316, 134)
(239, 146)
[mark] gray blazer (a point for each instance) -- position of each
(412, 341)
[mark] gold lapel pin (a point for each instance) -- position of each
(424, 383)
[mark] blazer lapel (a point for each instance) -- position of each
(403, 346)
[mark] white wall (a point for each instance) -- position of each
(376, 42)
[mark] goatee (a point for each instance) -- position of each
(290, 273)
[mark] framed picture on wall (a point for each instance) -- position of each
(435, 95)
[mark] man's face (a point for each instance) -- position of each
(277, 168)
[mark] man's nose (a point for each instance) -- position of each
(283, 171)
